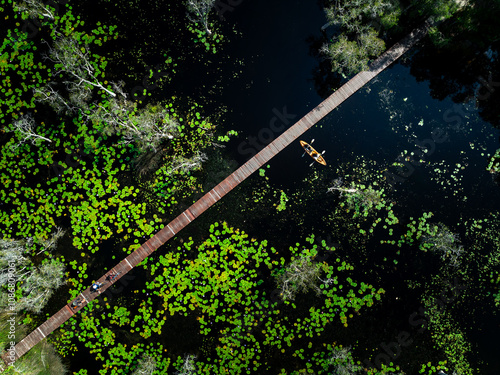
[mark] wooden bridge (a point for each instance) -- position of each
(214, 195)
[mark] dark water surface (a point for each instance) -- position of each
(275, 85)
(392, 114)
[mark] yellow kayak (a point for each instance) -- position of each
(313, 153)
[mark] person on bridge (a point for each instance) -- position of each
(77, 302)
(111, 276)
(95, 287)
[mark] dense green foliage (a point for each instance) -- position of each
(220, 285)
(100, 182)
(360, 23)
(363, 26)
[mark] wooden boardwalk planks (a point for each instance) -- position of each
(213, 196)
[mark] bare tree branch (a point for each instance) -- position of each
(35, 9)
(74, 60)
(300, 275)
(39, 286)
(145, 366)
(442, 240)
(147, 128)
(12, 253)
(52, 97)
(187, 164)
(342, 361)
(359, 197)
(198, 11)
(24, 128)
(36, 284)
(189, 366)
(341, 189)
(51, 243)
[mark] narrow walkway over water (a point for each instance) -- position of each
(220, 190)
